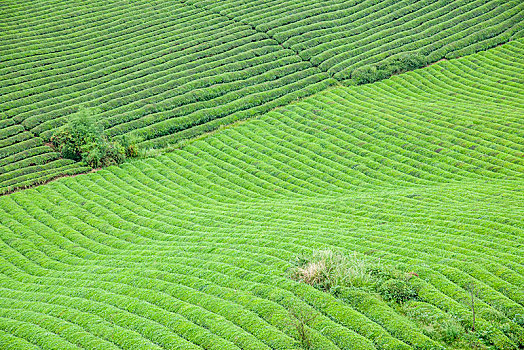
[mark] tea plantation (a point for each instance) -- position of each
(421, 173)
(162, 71)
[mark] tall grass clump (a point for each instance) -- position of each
(327, 269)
(331, 271)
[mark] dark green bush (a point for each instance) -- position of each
(105, 154)
(82, 139)
(78, 135)
(392, 65)
(364, 75)
(397, 290)
(129, 143)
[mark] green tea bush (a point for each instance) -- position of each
(205, 71)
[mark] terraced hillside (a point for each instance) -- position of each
(168, 70)
(190, 250)
(341, 36)
(25, 160)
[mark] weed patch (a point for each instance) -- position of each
(329, 271)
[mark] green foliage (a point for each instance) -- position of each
(79, 136)
(397, 290)
(103, 154)
(82, 139)
(393, 65)
(451, 332)
(129, 143)
(329, 271)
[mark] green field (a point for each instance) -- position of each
(164, 71)
(423, 172)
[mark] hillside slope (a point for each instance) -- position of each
(26, 160)
(341, 36)
(168, 70)
(190, 250)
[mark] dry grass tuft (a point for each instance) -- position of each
(327, 269)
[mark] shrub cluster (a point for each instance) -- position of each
(393, 65)
(82, 139)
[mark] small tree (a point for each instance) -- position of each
(300, 319)
(82, 139)
(472, 289)
(79, 134)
